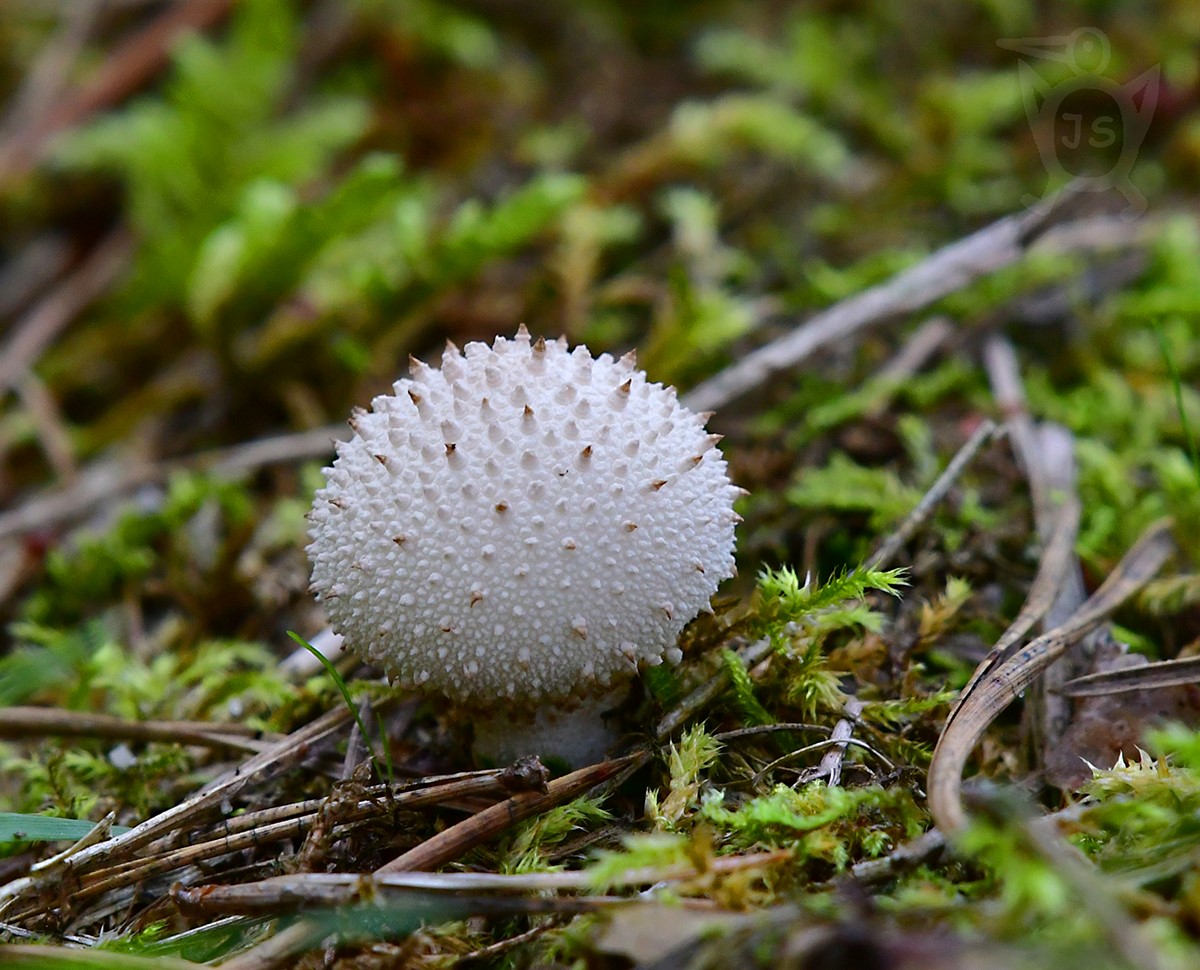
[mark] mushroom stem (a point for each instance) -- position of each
(578, 735)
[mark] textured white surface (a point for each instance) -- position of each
(525, 522)
(578, 735)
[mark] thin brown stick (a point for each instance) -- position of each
(34, 267)
(905, 857)
(1004, 374)
(277, 951)
(445, 789)
(770, 729)
(837, 745)
(708, 692)
(48, 76)
(35, 722)
(915, 353)
(316, 443)
(101, 482)
(452, 842)
(509, 943)
(48, 424)
(289, 822)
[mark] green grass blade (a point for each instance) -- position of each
(345, 691)
(1177, 384)
(19, 827)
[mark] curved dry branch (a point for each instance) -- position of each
(1007, 671)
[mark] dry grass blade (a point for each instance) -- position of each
(1046, 452)
(29, 272)
(1165, 673)
(1001, 678)
(1053, 566)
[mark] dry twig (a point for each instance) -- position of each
(1046, 453)
(951, 268)
(929, 501)
(102, 482)
(285, 894)
(709, 691)
(451, 843)
(35, 722)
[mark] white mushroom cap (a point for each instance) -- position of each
(527, 522)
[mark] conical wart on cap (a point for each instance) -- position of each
(527, 522)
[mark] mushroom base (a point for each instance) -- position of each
(578, 735)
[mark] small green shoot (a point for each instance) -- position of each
(21, 827)
(345, 692)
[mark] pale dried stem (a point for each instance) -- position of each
(929, 501)
(282, 894)
(951, 268)
(1046, 453)
(283, 823)
(915, 353)
(830, 767)
(103, 481)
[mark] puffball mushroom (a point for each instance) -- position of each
(520, 531)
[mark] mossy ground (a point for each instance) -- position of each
(309, 192)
